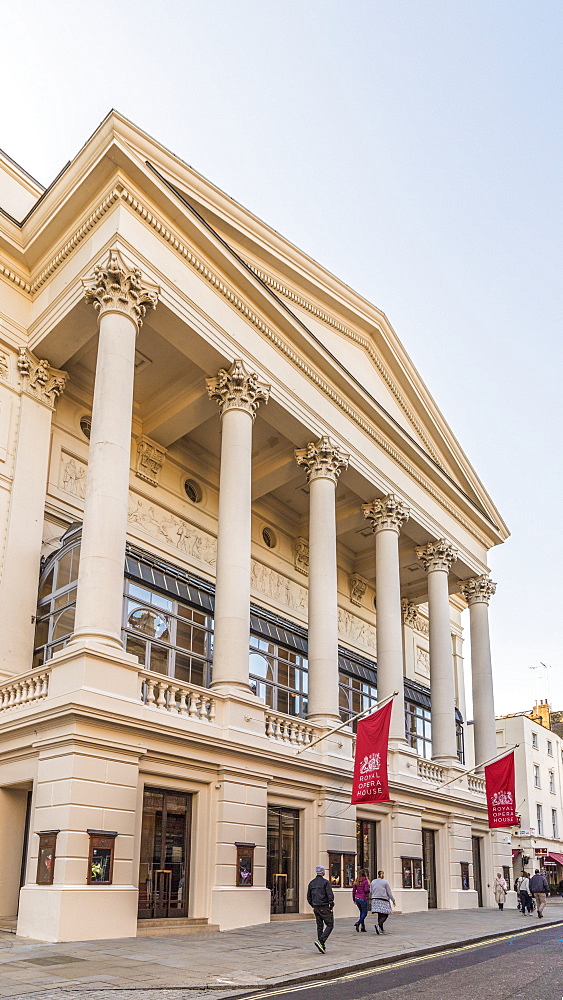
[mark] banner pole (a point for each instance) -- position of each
(347, 723)
(497, 756)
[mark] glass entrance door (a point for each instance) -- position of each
(282, 869)
(477, 881)
(164, 864)
(429, 866)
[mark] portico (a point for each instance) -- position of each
(212, 594)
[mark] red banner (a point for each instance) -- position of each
(501, 794)
(370, 764)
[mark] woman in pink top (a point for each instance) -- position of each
(360, 895)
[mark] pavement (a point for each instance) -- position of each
(229, 963)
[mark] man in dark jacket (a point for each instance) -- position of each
(539, 889)
(321, 897)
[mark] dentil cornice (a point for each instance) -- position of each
(387, 513)
(437, 555)
(237, 389)
(38, 378)
(323, 459)
(479, 589)
(116, 287)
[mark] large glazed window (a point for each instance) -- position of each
(355, 695)
(168, 636)
(57, 601)
(279, 676)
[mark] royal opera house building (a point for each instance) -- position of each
(231, 518)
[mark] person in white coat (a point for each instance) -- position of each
(499, 889)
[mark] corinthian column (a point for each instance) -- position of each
(41, 386)
(323, 461)
(437, 558)
(121, 297)
(477, 592)
(238, 393)
(387, 517)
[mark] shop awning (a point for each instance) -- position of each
(557, 858)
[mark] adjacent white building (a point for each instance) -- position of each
(538, 757)
(231, 515)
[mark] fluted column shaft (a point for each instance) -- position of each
(437, 558)
(387, 517)
(238, 394)
(324, 461)
(477, 592)
(122, 298)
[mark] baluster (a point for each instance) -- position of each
(44, 685)
(172, 692)
(211, 709)
(149, 691)
(193, 705)
(161, 700)
(182, 705)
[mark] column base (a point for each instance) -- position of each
(449, 762)
(231, 689)
(78, 912)
(325, 721)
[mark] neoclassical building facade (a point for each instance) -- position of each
(231, 518)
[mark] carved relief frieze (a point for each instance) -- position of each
(422, 661)
(150, 459)
(356, 631)
(301, 555)
(72, 476)
(277, 587)
(358, 587)
(39, 379)
(174, 530)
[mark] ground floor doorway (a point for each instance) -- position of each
(165, 854)
(477, 869)
(429, 866)
(282, 864)
(366, 847)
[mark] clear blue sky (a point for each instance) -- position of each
(413, 147)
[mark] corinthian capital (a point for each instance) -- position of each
(478, 589)
(437, 555)
(116, 287)
(323, 460)
(39, 379)
(237, 389)
(390, 512)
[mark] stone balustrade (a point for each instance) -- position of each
(288, 729)
(476, 784)
(429, 771)
(25, 689)
(171, 695)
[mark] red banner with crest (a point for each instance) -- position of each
(501, 793)
(370, 764)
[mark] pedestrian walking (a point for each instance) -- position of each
(499, 889)
(321, 897)
(360, 895)
(526, 902)
(539, 888)
(381, 899)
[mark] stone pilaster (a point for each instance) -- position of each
(238, 393)
(323, 461)
(387, 516)
(437, 559)
(41, 386)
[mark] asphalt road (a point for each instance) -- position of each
(527, 966)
